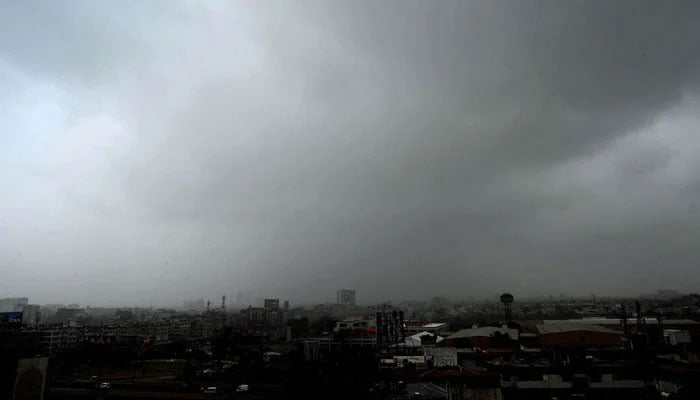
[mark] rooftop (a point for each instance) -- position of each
(569, 327)
(484, 331)
(434, 325)
(613, 321)
(416, 340)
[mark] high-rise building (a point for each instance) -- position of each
(272, 304)
(13, 304)
(346, 297)
(194, 305)
(286, 304)
(31, 314)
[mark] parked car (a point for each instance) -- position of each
(242, 388)
(209, 390)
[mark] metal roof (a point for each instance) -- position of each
(434, 325)
(484, 331)
(569, 327)
(416, 340)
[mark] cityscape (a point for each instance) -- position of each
(349, 199)
(439, 348)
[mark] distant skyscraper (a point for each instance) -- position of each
(272, 303)
(194, 305)
(346, 297)
(31, 314)
(286, 304)
(13, 304)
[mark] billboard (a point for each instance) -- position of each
(11, 318)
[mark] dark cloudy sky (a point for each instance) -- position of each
(155, 151)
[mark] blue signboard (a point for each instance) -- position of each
(10, 318)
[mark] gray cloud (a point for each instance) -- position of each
(407, 149)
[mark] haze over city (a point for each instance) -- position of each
(156, 151)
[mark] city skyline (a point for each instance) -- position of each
(259, 301)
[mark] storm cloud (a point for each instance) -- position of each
(151, 152)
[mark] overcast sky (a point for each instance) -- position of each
(157, 151)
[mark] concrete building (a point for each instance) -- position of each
(194, 305)
(675, 337)
(346, 297)
(13, 304)
(261, 318)
(272, 304)
(59, 338)
(31, 314)
(432, 327)
(178, 328)
(441, 356)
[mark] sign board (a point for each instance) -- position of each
(441, 356)
(11, 318)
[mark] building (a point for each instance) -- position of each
(179, 328)
(31, 314)
(552, 386)
(562, 335)
(440, 356)
(421, 339)
(483, 337)
(201, 328)
(689, 325)
(353, 324)
(675, 337)
(194, 305)
(13, 304)
(263, 317)
(432, 327)
(346, 297)
(58, 339)
(272, 304)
